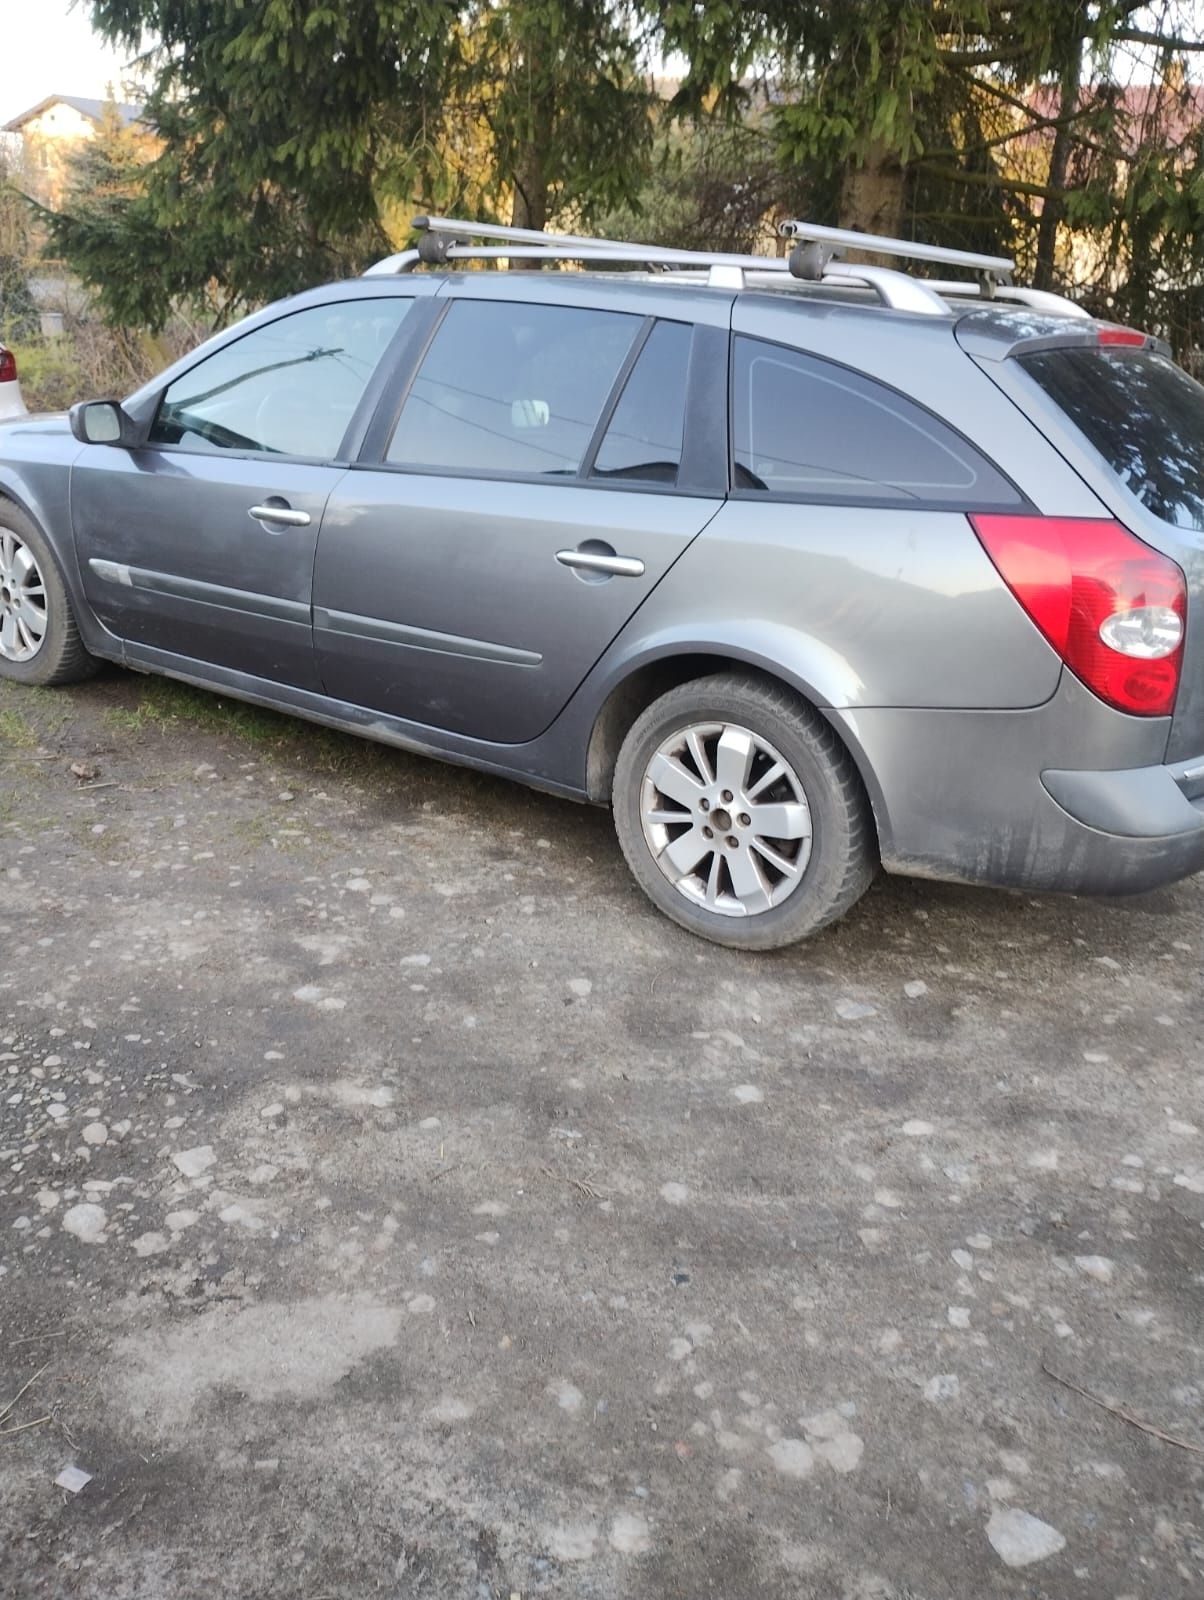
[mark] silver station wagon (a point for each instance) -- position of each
(803, 565)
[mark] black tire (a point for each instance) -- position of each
(62, 657)
(843, 850)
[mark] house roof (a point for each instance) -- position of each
(94, 110)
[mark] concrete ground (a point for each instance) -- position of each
(393, 1204)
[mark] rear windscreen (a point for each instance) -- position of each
(1143, 414)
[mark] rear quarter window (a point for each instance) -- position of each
(808, 429)
(1142, 414)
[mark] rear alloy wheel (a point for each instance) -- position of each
(39, 639)
(740, 813)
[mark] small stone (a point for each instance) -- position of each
(958, 1316)
(73, 1479)
(177, 1221)
(581, 987)
(566, 1395)
(792, 1457)
(1097, 1267)
(421, 1305)
(679, 1349)
(854, 1010)
(192, 1163)
(946, 1386)
(95, 1133)
(86, 1222)
(674, 1194)
(1019, 1538)
(915, 989)
(274, 1110)
(449, 1409)
(56, 1110)
(629, 1534)
(747, 1094)
(572, 1541)
(915, 1128)
(843, 1453)
(150, 1244)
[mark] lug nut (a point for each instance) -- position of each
(728, 797)
(732, 840)
(704, 805)
(708, 833)
(744, 819)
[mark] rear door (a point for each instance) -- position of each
(201, 542)
(539, 471)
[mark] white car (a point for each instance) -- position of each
(12, 403)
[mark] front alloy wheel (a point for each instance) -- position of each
(23, 618)
(39, 638)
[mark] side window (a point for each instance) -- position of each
(290, 387)
(512, 388)
(807, 427)
(643, 438)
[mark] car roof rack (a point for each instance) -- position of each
(816, 259)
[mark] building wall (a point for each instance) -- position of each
(49, 139)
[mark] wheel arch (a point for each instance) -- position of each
(647, 679)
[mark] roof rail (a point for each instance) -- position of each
(814, 259)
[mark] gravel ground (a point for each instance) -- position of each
(392, 1204)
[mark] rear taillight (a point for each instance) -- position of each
(1113, 608)
(8, 366)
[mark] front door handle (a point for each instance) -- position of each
(281, 514)
(595, 561)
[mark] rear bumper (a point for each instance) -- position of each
(1134, 829)
(1068, 796)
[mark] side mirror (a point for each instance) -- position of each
(103, 422)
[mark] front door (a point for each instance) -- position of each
(202, 541)
(530, 498)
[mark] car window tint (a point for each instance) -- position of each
(512, 388)
(290, 387)
(643, 438)
(808, 427)
(1143, 414)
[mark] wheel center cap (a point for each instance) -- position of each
(721, 820)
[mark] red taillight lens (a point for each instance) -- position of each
(1114, 609)
(8, 366)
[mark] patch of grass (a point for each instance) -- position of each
(16, 730)
(166, 706)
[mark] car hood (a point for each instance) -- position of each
(43, 422)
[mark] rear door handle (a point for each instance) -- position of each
(280, 514)
(593, 561)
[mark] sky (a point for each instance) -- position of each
(48, 47)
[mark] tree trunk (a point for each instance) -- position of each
(1053, 210)
(872, 194)
(529, 208)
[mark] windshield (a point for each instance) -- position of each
(1143, 414)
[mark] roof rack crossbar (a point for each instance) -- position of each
(570, 245)
(905, 249)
